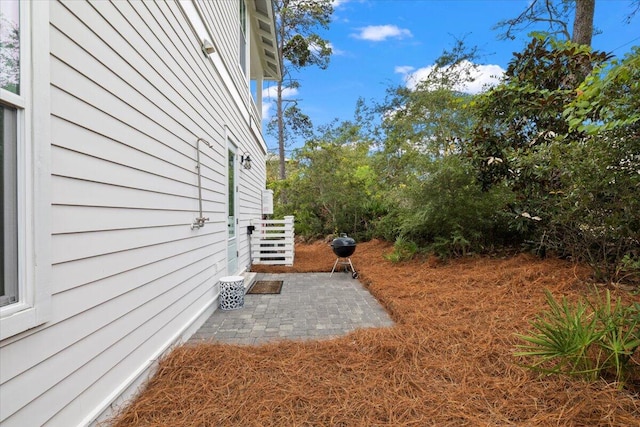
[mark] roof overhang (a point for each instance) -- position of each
(263, 26)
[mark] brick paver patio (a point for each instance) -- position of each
(310, 306)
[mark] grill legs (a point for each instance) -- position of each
(348, 266)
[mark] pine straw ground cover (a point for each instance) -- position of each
(448, 361)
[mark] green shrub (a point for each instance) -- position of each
(591, 339)
(620, 327)
(454, 246)
(450, 214)
(594, 214)
(403, 250)
(628, 269)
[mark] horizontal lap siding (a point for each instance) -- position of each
(131, 92)
(227, 35)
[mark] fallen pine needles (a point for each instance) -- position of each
(448, 361)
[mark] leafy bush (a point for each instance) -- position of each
(628, 268)
(562, 335)
(620, 336)
(525, 112)
(591, 339)
(600, 213)
(566, 141)
(386, 226)
(456, 245)
(595, 217)
(403, 250)
(450, 213)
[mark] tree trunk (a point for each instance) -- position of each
(583, 22)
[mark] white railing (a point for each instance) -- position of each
(272, 241)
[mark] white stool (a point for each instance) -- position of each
(231, 292)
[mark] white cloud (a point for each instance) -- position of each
(403, 69)
(272, 92)
(316, 49)
(269, 95)
(266, 110)
(338, 3)
(379, 33)
(482, 76)
(485, 76)
(336, 51)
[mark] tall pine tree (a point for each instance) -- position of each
(299, 46)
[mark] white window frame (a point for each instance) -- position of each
(33, 174)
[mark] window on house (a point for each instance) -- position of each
(243, 36)
(25, 231)
(11, 109)
(10, 46)
(9, 223)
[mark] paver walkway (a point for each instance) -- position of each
(310, 306)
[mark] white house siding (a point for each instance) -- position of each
(131, 92)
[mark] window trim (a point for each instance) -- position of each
(33, 175)
(10, 218)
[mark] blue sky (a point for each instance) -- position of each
(381, 43)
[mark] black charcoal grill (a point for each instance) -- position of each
(344, 246)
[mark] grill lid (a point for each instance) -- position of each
(343, 241)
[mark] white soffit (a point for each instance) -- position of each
(263, 19)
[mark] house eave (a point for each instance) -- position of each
(264, 28)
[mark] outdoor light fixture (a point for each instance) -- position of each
(207, 47)
(245, 161)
